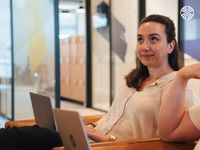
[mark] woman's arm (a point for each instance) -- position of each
(174, 123)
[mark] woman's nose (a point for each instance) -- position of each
(145, 46)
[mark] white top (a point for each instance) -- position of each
(134, 114)
(197, 147)
(194, 113)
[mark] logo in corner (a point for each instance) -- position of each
(187, 12)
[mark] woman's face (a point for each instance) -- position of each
(152, 45)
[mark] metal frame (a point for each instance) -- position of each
(88, 55)
(12, 66)
(57, 54)
(111, 53)
(180, 32)
(141, 10)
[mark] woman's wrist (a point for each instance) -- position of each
(180, 79)
(112, 138)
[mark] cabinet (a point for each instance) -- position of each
(72, 65)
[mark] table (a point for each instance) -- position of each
(151, 144)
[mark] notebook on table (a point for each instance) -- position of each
(42, 110)
(71, 129)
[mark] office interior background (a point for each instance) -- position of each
(78, 50)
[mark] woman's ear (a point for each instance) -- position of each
(171, 46)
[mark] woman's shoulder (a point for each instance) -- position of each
(166, 79)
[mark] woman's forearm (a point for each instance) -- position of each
(174, 123)
(172, 108)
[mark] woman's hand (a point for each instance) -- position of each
(189, 72)
(95, 135)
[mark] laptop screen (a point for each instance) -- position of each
(42, 110)
(71, 130)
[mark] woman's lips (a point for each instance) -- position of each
(147, 56)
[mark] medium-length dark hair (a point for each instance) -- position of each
(140, 73)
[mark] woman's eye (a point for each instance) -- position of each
(139, 39)
(153, 39)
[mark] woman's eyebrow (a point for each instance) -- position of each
(153, 34)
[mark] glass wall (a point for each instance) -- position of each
(100, 54)
(110, 63)
(124, 38)
(113, 48)
(34, 52)
(72, 27)
(5, 60)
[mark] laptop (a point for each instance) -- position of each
(42, 110)
(71, 129)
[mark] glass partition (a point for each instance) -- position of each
(124, 38)
(72, 37)
(110, 63)
(5, 60)
(34, 52)
(100, 54)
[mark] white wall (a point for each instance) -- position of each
(168, 8)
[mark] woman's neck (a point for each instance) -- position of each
(155, 74)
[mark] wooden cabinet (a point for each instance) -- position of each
(72, 65)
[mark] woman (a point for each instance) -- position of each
(135, 109)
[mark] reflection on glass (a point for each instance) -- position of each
(100, 55)
(100, 17)
(124, 31)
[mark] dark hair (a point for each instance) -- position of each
(140, 73)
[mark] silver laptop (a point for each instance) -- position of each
(71, 130)
(42, 110)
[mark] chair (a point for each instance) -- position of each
(19, 123)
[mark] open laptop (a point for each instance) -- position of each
(42, 110)
(71, 130)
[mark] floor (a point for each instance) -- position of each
(81, 109)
